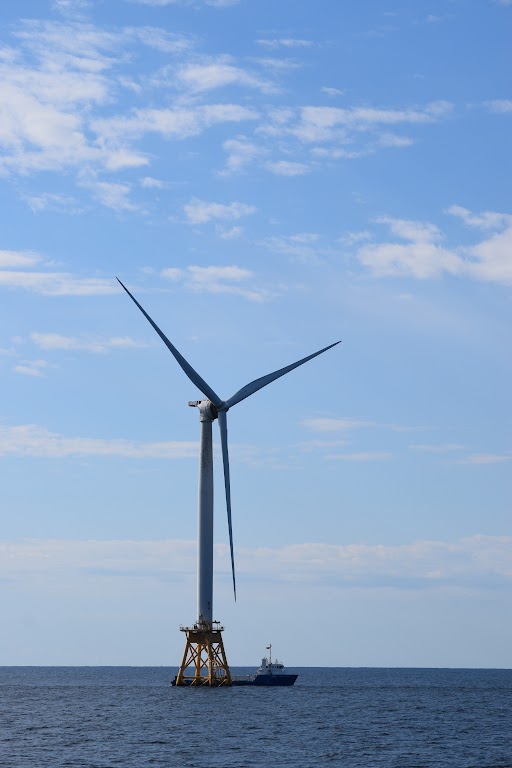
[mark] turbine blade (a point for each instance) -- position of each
(194, 377)
(223, 426)
(253, 387)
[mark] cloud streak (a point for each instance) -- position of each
(57, 341)
(201, 212)
(218, 280)
(472, 563)
(31, 440)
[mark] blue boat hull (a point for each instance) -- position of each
(268, 680)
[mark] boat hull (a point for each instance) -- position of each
(274, 680)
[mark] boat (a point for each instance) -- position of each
(269, 673)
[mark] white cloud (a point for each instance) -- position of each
(48, 201)
(18, 259)
(446, 448)
(112, 194)
(241, 152)
(303, 246)
(59, 70)
(158, 39)
(361, 456)
(322, 124)
(288, 168)
(212, 3)
(170, 123)
(392, 140)
(156, 2)
(490, 260)
(148, 182)
(31, 440)
(485, 459)
(56, 341)
(219, 74)
(59, 75)
(351, 238)
(284, 42)
(230, 234)
(67, 7)
(201, 212)
(422, 256)
(57, 283)
(475, 562)
(218, 280)
(501, 106)
(31, 557)
(331, 91)
(478, 561)
(31, 368)
(484, 220)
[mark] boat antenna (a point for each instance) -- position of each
(269, 648)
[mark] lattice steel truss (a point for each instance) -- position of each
(204, 660)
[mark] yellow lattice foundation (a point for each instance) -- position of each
(204, 660)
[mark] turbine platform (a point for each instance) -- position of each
(204, 660)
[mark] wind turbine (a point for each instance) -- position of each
(204, 650)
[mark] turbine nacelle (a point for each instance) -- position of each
(208, 411)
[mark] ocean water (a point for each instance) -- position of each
(130, 717)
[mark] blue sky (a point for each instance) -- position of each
(267, 178)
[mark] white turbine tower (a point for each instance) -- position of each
(204, 654)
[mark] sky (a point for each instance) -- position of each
(267, 178)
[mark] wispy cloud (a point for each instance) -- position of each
(329, 91)
(423, 255)
(57, 80)
(57, 283)
(48, 201)
(485, 459)
(33, 368)
(321, 124)
(170, 123)
(200, 211)
(443, 448)
(233, 280)
(111, 194)
(288, 168)
(336, 424)
(149, 182)
(212, 3)
(219, 73)
(18, 259)
(284, 42)
(501, 106)
(361, 456)
(56, 341)
(241, 153)
(48, 283)
(31, 440)
(475, 562)
(302, 246)
(487, 220)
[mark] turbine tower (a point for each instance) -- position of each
(204, 660)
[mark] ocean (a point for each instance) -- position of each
(130, 717)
